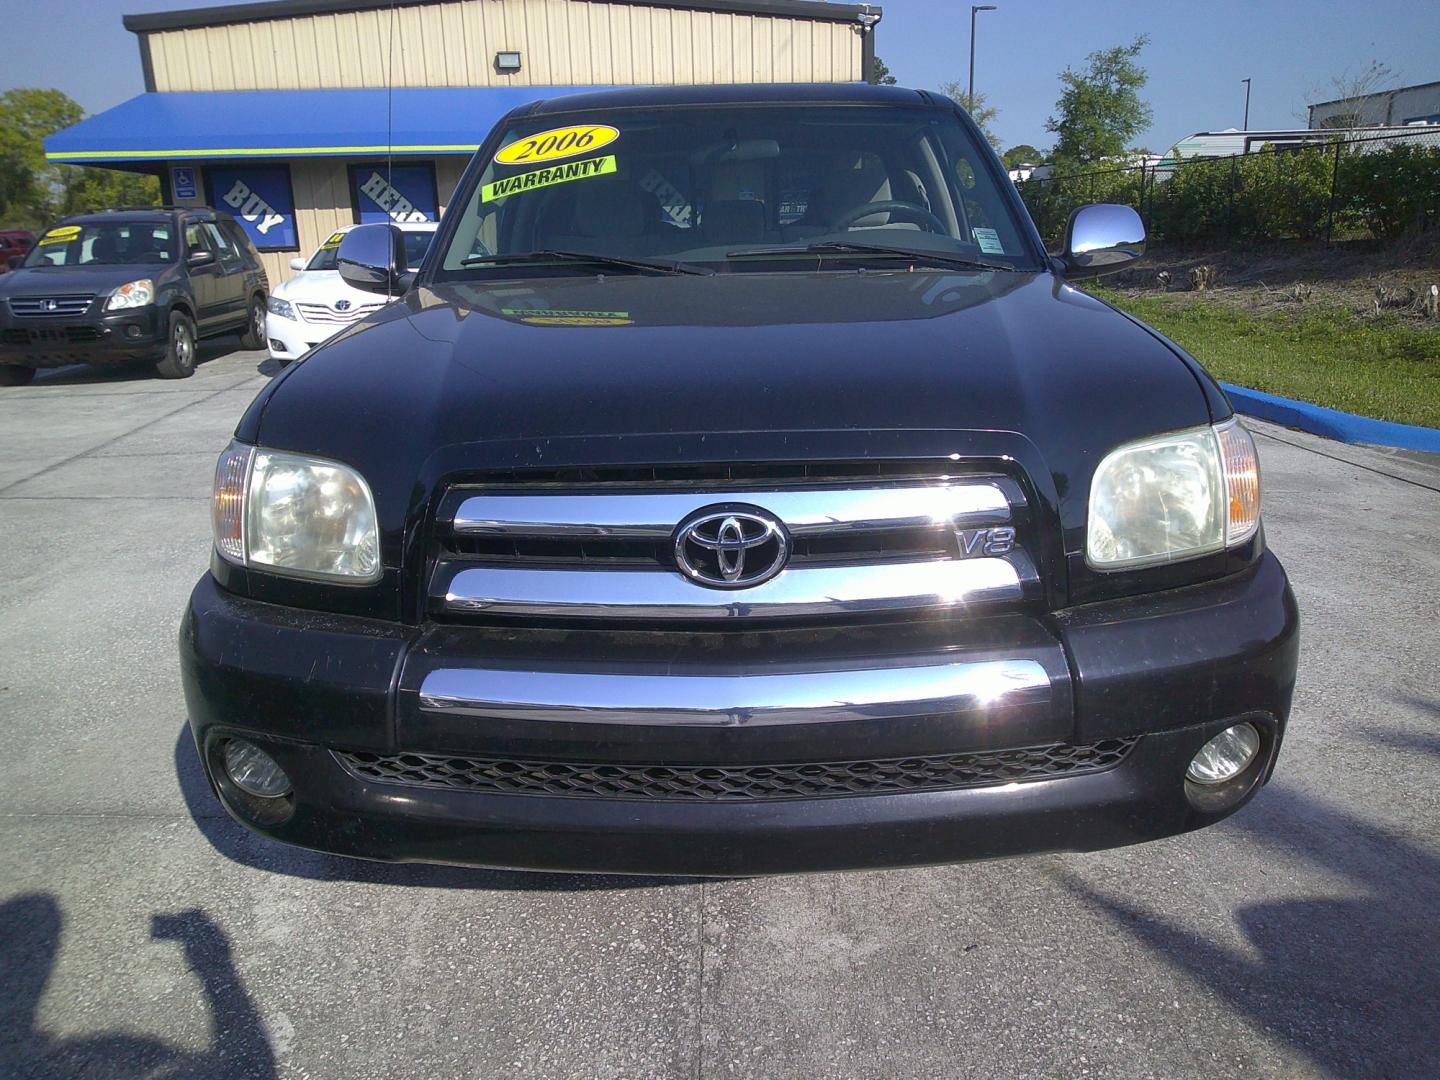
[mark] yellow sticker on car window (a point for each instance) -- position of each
(333, 242)
(555, 174)
(557, 143)
(62, 235)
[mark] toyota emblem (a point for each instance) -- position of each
(728, 548)
(342, 305)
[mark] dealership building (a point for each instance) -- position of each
(301, 116)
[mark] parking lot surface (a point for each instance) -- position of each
(143, 933)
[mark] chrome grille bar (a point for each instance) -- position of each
(800, 591)
(913, 686)
(50, 307)
(654, 515)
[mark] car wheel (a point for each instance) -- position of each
(15, 374)
(179, 361)
(253, 336)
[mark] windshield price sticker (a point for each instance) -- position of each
(557, 143)
(989, 241)
(62, 235)
(333, 242)
(556, 174)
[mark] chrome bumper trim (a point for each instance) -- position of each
(911, 686)
(799, 592)
(656, 514)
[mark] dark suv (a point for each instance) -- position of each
(738, 487)
(125, 286)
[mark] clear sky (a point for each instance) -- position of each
(1199, 52)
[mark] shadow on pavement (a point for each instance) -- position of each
(88, 375)
(30, 934)
(239, 844)
(1351, 981)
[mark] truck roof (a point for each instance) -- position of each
(735, 94)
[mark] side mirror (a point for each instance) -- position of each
(372, 258)
(200, 258)
(297, 263)
(1102, 239)
(14, 261)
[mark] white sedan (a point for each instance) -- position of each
(316, 303)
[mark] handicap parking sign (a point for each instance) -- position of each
(183, 182)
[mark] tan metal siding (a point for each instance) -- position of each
(562, 43)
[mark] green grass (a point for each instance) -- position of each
(1324, 355)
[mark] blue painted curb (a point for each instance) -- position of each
(1331, 423)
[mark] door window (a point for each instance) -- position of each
(225, 248)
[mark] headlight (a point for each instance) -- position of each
(1174, 497)
(276, 306)
(295, 515)
(132, 294)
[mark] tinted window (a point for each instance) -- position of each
(698, 183)
(104, 244)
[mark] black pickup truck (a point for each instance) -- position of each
(130, 286)
(738, 487)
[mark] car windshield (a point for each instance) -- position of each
(104, 244)
(417, 242)
(736, 189)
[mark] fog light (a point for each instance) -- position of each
(132, 331)
(1225, 756)
(277, 345)
(253, 771)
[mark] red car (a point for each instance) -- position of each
(14, 243)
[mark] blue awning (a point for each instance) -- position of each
(237, 124)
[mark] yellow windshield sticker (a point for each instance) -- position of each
(557, 143)
(62, 235)
(559, 317)
(333, 242)
(556, 174)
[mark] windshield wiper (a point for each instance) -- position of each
(553, 255)
(851, 247)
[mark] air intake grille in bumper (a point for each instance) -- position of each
(737, 783)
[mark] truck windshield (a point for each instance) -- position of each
(737, 189)
(104, 244)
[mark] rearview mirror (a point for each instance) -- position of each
(200, 258)
(372, 258)
(297, 263)
(1101, 239)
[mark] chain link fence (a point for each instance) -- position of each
(1380, 187)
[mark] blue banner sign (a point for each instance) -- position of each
(404, 193)
(260, 199)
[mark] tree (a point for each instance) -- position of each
(29, 185)
(880, 72)
(34, 191)
(1023, 154)
(1100, 109)
(982, 113)
(1347, 89)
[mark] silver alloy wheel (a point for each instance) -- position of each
(257, 323)
(184, 346)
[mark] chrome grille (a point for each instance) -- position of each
(873, 544)
(51, 307)
(324, 313)
(737, 783)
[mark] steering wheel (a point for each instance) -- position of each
(913, 211)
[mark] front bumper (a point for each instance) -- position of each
(116, 338)
(1162, 675)
(290, 339)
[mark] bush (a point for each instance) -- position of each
(1272, 195)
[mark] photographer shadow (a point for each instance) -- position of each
(31, 927)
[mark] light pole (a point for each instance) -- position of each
(1245, 124)
(970, 94)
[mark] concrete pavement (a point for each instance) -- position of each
(142, 933)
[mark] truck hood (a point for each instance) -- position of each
(580, 371)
